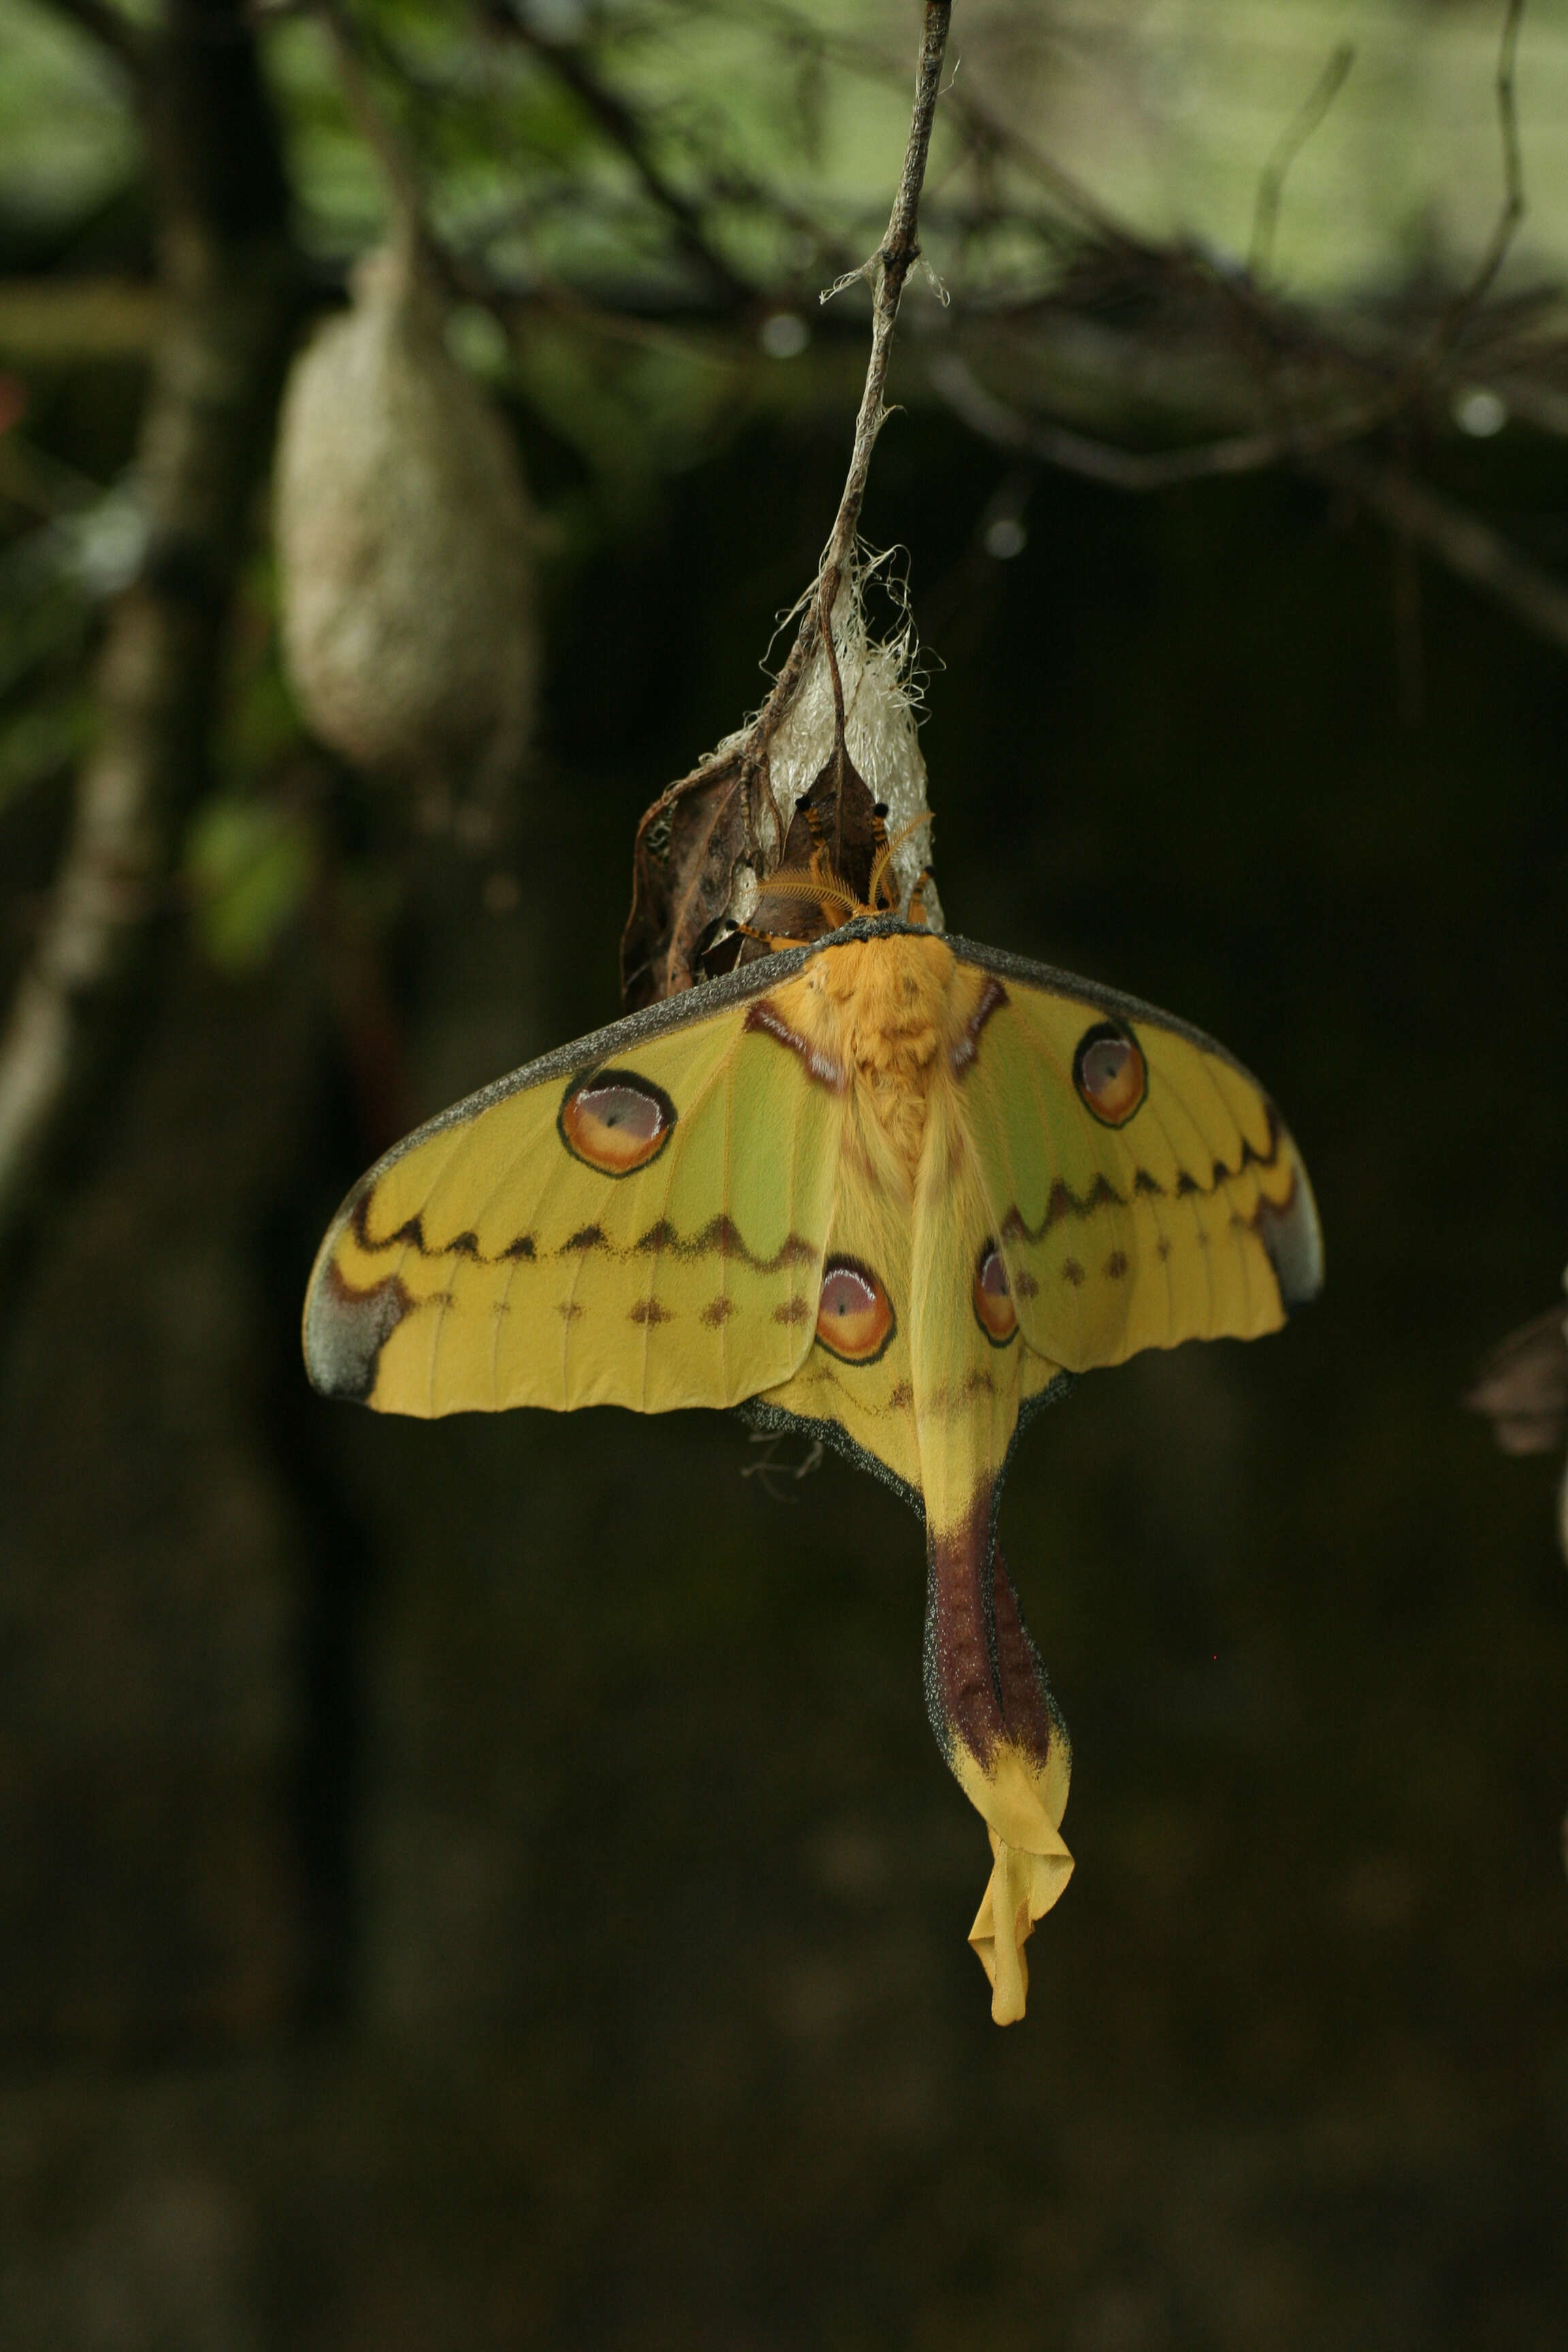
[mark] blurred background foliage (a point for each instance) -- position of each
(490, 1884)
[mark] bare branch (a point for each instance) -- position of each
(899, 251)
(1135, 470)
(1459, 540)
(230, 287)
(1271, 184)
(975, 119)
(375, 126)
(1511, 212)
(570, 64)
(725, 812)
(891, 267)
(398, 164)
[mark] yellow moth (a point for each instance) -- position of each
(885, 1187)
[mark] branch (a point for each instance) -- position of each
(230, 286)
(890, 267)
(1468, 546)
(1451, 325)
(374, 127)
(1271, 185)
(1136, 470)
(620, 125)
(399, 164)
(899, 254)
(987, 130)
(1512, 211)
(695, 839)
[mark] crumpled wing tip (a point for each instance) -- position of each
(1021, 1889)
(345, 1327)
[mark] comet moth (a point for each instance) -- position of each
(890, 1189)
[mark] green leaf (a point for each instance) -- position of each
(251, 865)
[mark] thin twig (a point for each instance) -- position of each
(231, 307)
(1271, 184)
(401, 169)
(983, 127)
(1459, 540)
(398, 164)
(372, 121)
(1511, 210)
(620, 125)
(1136, 470)
(735, 818)
(889, 269)
(1468, 546)
(899, 251)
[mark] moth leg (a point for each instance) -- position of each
(916, 913)
(772, 940)
(815, 816)
(998, 1727)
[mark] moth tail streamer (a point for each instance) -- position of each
(1020, 1891)
(1005, 1741)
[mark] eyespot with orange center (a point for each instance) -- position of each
(615, 1121)
(855, 1318)
(993, 1309)
(1110, 1073)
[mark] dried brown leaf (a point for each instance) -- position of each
(690, 845)
(1522, 1386)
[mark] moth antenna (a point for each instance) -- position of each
(772, 940)
(922, 816)
(812, 882)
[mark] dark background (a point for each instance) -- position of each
(492, 1883)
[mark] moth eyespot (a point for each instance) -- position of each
(993, 1309)
(615, 1121)
(1110, 1073)
(855, 1318)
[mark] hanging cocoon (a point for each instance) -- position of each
(406, 544)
